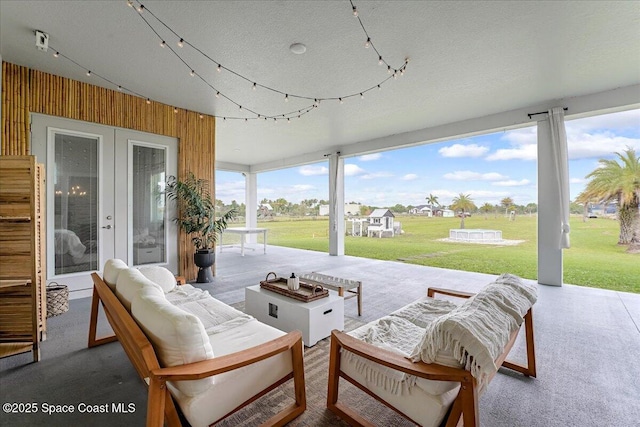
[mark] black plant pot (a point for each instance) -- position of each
(204, 259)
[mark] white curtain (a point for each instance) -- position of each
(559, 147)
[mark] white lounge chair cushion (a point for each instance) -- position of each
(129, 283)
(160, 276)
(177, 336)
(233, 388)
(112, 269)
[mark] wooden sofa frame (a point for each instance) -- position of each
(160, 404)
(463, 411)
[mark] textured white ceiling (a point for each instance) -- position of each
(468, 60)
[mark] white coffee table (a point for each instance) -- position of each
(316, 319)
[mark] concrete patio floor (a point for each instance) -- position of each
(587, 340)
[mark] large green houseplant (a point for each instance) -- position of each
(196, 216)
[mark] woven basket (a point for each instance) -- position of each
(57, 299)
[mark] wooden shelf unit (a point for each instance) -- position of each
(22, 262)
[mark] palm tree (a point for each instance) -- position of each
(432, 200)
(619, 181)
(486, 208)
(462, 202)
(507, 202)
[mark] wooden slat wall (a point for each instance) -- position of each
(26, 91)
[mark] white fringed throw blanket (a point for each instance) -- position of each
(215, 315)
(477, 332)
(471, 335)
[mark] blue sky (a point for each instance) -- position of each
(488, 168)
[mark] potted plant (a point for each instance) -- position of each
(197, 218)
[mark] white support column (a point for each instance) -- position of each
(251, 204)
(336, 205)
(549, 212)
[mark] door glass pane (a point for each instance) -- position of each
(148, 202)
(75, 203)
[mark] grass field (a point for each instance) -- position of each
(594, 259)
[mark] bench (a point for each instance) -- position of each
(337, 284)
(430, 377)
(231, 364)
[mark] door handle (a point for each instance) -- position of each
(108, 227)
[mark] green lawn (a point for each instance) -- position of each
(594, 258)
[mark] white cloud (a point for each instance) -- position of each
(460, 150)
(511, 183)
(375, 175)
(525, 152)
(578, 180)
(598, 145)
(409, 177)
(370, 157)
(310, 170)
(352, 170)
(619, 121)
(303, 187)
(474, 176)
(230, 190)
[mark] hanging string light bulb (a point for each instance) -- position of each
(355, 12)
(367, 44)
(181, 43)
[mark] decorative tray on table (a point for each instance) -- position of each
(306, 293)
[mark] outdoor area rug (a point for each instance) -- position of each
(316, 370)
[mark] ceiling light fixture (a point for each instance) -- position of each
(298, 48)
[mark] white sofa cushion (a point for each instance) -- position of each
(160, 276)
(233, 388)
(130, 281)
(177, 336)
(112, 269)
(426, 409)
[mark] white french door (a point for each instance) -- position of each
(105, 198)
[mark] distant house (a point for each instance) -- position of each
(446, 213)
(265, 210)
(426, 210)
(381, 223)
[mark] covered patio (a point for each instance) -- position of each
(587, 342)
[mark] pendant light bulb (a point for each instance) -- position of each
(140, 8)
(129, 3)
(175, 110)
(89, 73)
(201, 116)
(162, 43)
(181, 43)
(120, 88)
(286, 98)
(148, 101)
(55, 55)
(389, 69)
(355, 12)
(367, 44)
(380, 61)
(254, 86)
(219, 69)
(217, 94)
(192, 73)
(361, 96)
(341, 101)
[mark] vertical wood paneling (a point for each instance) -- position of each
(26, 91)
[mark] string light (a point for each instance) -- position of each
(367, 44)
(286, 98)
(201, 116)
(89, 73)
(175, 110)
(296, 113)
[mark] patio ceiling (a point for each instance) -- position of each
(468, 60)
